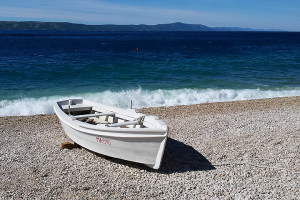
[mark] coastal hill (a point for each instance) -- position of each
(66, 26)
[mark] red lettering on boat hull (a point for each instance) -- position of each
(103, 140)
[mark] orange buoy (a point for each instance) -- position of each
(137, 49)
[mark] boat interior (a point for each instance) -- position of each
(96, 116)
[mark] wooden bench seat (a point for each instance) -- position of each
(79, 107)
(123, 124)
(93, 115)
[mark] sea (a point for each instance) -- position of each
(151, 69)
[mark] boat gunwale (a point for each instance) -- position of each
(102, 130)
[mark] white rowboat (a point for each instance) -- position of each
(119, 133)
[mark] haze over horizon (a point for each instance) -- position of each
(254, 14)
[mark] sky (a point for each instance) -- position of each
(260, 14)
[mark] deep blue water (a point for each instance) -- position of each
(170, 68)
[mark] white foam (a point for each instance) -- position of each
(143, 98)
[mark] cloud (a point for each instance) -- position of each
(100, 12)
(96, 12)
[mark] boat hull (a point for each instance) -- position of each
(146, 148)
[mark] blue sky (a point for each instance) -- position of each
(263, 14)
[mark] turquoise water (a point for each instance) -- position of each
(170, 68)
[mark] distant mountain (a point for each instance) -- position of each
(66, 26)
(241, 29)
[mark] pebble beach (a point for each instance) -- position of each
(230, 150)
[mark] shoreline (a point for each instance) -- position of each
(242, 104)
(258, 139)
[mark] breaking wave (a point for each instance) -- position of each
(143, 98)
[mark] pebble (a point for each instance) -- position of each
(257, 133)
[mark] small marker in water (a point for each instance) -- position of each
(137, 49)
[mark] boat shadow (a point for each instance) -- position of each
(178, 158)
